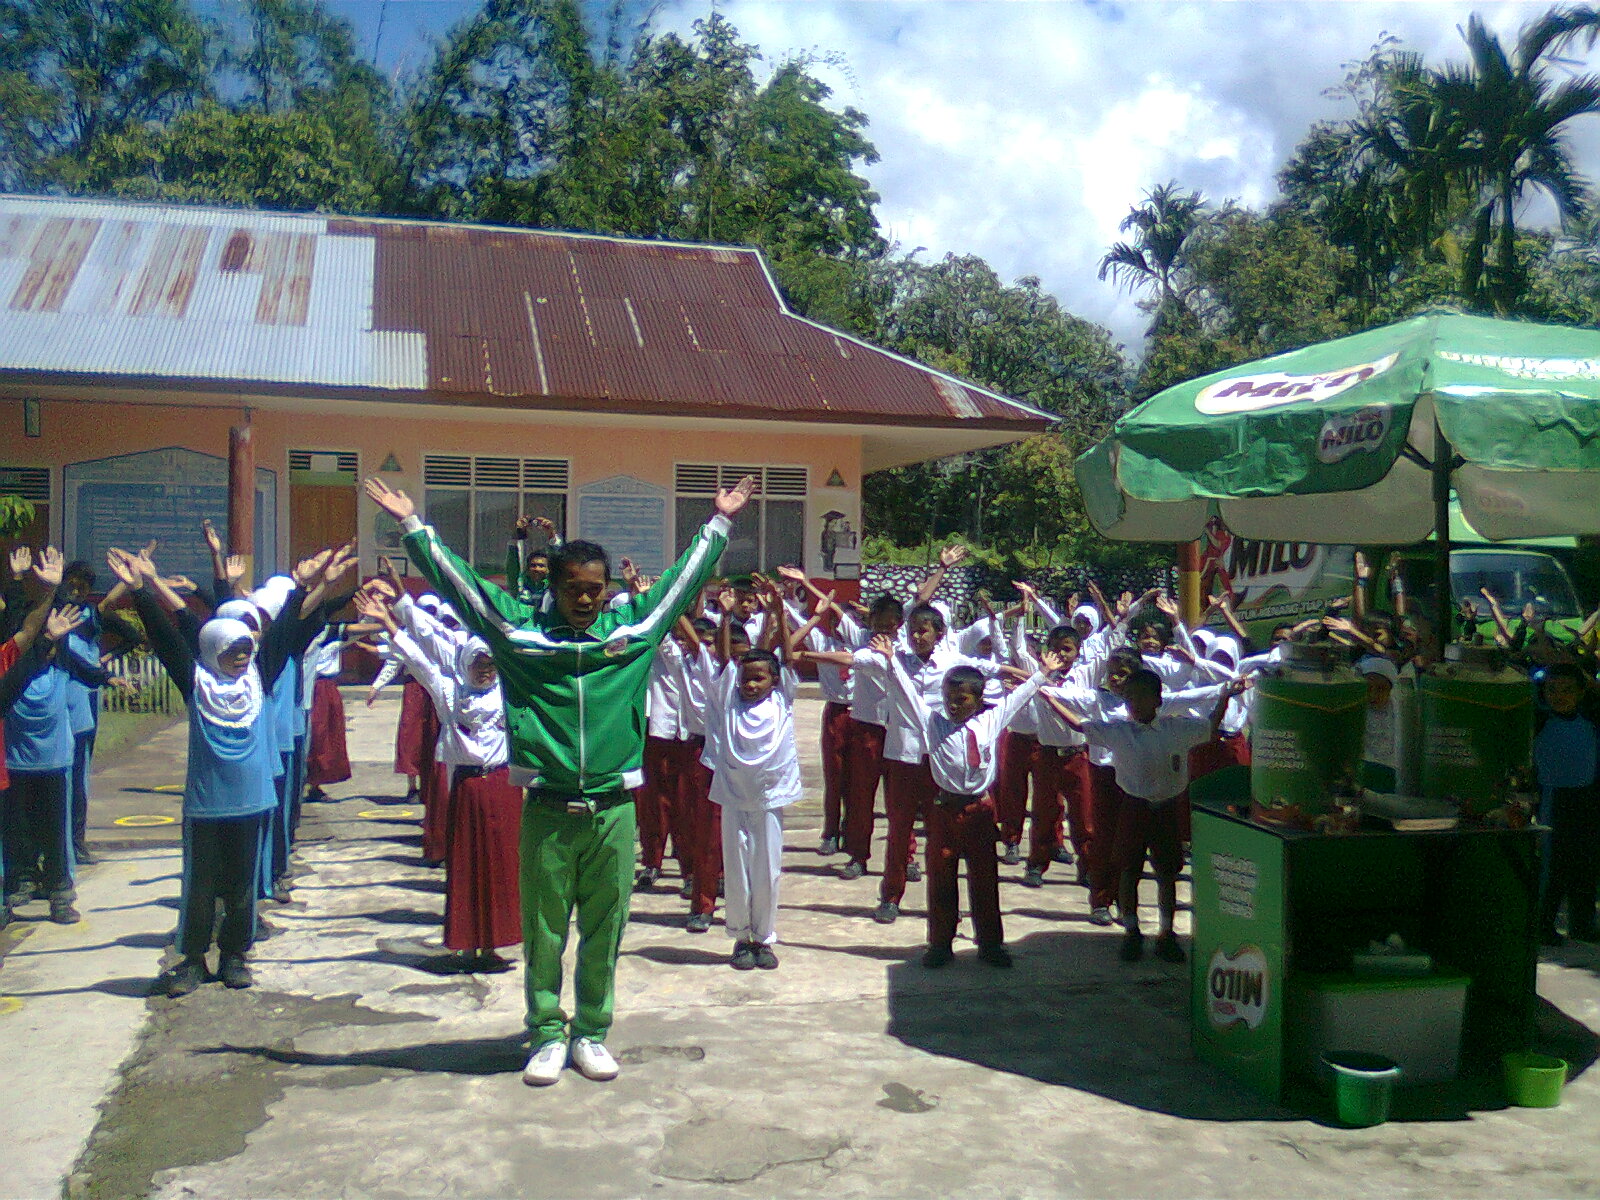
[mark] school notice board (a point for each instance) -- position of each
(128, 499)
(629, 518)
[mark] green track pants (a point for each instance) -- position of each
(581, 861)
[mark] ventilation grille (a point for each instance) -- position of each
(324, 462)
(31, 483)
(703, 479)
(492, 472)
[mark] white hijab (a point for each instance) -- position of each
(233, 703)
(1090, 613)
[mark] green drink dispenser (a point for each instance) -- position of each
(1307, 726)
(1477, 721)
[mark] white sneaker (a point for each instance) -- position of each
(593, 1060)
(545, 1065)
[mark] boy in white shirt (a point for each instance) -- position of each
(961, 742)
(1150, 755)
(750, 742)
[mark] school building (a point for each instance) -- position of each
(607, 383)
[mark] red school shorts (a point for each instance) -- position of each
(1147, 829)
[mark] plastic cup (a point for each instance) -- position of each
(1363, 1086)
(1534, 1080)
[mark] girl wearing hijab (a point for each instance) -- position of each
(226, 670)
(482, 908)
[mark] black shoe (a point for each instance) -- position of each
(744, 957)
(827, 846)
(995, 955)
(487, 962)
(233, 973)
(280, 891)
(698, 922)
(854, 869)
(647, 879)
(935, 957)
(183, 978)
(84, 856)
(18, 899)
(1063, 856)
(1013, 854)
(1168, 950)
(1033, 877)
(913, 873)
(1132, 947)
(62, 912)
(765, 958)
(686, 892)
(886, 913)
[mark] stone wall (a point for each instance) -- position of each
(962, 583)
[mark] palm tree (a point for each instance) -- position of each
(1163, 227)
(1500, 121)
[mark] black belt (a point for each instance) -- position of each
(573, 802)
(957, 800)
(465, 772)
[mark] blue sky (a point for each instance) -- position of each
(1023, 130)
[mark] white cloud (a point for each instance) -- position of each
(1025, 131)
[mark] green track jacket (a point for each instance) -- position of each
(574, 701)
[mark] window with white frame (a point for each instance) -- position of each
(769, 533)
(473, 501)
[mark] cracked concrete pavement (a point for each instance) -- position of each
(358, 1066)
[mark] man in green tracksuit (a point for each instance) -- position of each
(574, 676)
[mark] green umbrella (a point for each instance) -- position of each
(1362, 440)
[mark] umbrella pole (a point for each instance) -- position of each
(1443, 453)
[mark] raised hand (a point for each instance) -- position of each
(392, 500)
(213, 538)
(344, 557)
(145, 561)
(307, 569)
(47, 569)
(545, 526)
(628, 570)
(125, 567)
(371, 605)
(1167, 606)
(1072, 604)
(180, 583)
(882, 644)
(792, 574)
(725, 600)
(63, 621)
(21, 561)
(523, 522)
(1051, 661)
(952, 555)
(730, 501)
(1124, 604)
(234, 567)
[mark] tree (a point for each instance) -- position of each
(290, 161)
(1164, 226)
(75, 71)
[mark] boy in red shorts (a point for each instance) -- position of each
(1150, 755)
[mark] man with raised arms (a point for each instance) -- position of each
(574, 674)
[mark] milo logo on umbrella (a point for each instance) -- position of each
(1237, 988)
(1345, 435)
(1269, 389)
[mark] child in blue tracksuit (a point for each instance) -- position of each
(226, 671)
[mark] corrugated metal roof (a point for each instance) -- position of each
(471, 314)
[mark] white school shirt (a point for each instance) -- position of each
(439, 643)
(837, 683)
(1151, 761)
(750, 747)
(1048, 726)
(869, 688)
(962, 756)
(1099, 704)
(663, 697)
(472, 725)
(902, 740)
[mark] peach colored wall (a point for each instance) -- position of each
(73, 432)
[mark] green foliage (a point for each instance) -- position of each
(16, 514)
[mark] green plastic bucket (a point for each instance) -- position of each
(1534, 1080)
(1363, 1085)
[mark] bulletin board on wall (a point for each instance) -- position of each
(128, 499)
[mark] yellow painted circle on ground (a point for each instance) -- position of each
(145, 821)
(9, 1005)
(168, 787)
(388, 814)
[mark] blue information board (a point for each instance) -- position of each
(629, 518)
(162, 494)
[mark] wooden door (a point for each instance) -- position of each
(320, 515)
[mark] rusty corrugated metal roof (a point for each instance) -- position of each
(431, 311)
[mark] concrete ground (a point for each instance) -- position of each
(358, 1066)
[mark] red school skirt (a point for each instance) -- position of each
(413, 743)
(482, 900)
(327, 758)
